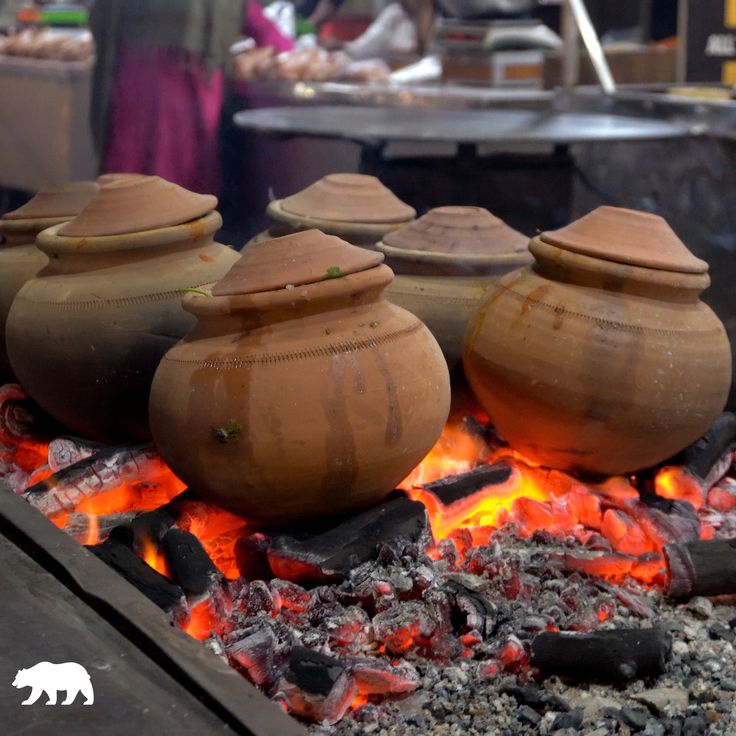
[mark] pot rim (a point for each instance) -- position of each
(308, 294)
(462, 259)
(546, 253)
(50, 241)
(29, 224)
(332, 227)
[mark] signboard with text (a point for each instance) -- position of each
(711, 41)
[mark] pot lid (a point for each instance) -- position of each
(627, 236)
(348, 198)
(459, 230)
(63, 200)
(134, 203)
(305, 257)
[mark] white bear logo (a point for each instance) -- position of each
(49, 678)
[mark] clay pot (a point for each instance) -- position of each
(355, 207)
(20, 260)
(600, 357)
(445, 261)
(132, 203)
(84, 337)
(302, 391)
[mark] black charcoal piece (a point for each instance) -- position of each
(189, 563)
(313, 672)
(330, 556)
(457, 487)
(608, 656)
(316, 686)
(704, 567)
(702, 456)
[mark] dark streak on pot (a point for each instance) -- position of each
(394, 427)
(340, 444)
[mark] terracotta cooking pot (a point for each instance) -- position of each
(355, 207)
(444, 263)
(302, 391)
(85, 336)
(600, 357)
(20, 260)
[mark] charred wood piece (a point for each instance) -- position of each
(459, 487)
(668, 520)
(251, 556)
(379, 677)
(66, 451)
(705, 567)
(21, 417)
(151, 526)
(165, 594)
(471, 611)
(607, 656)
(330, 556)
(80, 526)
(190, 566)
(253, 653)
(101, 472)
(317, 687)
(702, 459)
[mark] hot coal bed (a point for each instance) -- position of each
(486, 596)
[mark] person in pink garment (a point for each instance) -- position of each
(160, 83)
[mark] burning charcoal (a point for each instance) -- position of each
(91, 529)
(330, 556)
(635, 603)
(293, 596)
(449, 491)
(348, 627)
(317, 687)
(378, 677)
(261, 600)
(403, 626)
(701, 568)
(723, 496)
(471, 610)
(665, 520)
(152, 584)
(251, 556)
(440, 603)
(444, 648)
(252, 652)
(190, 566)
(584, 620)
(453, 500)
(66, 451)
(101, 472)
(624, 533)
(513, 655)
(609, 656)
(612, 566)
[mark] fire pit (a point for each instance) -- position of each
(488, 595)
